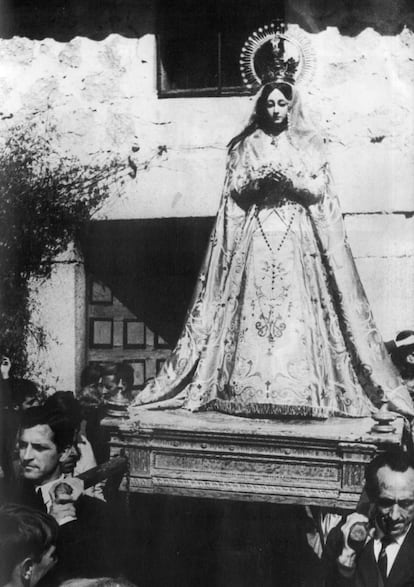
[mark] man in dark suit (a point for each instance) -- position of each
(386, 558)
(45, 442)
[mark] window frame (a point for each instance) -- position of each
(234, 21)
(218, 92)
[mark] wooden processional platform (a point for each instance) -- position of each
(213, 455)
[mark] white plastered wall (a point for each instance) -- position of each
(102, 95)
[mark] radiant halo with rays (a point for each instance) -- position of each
(297, 49)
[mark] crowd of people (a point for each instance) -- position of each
(54, 532)
(52, 528)
(279, 326)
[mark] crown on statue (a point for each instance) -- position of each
(271, 54)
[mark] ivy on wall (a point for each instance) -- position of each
(45, 199)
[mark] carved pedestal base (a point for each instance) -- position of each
(218, 456)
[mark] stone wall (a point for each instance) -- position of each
(101, 95)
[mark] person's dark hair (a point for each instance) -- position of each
(405, 334)
(399, 354)
(260, 118)
(66, 403)
(61, 425)
(397, 460)
(122, 370)
(261, 115)
(98, 582)
(22, 389)
(24, 532)
(90, 375)
(109, 369)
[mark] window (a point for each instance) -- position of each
(199, 43)
(117, 334)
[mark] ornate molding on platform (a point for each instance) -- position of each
(219, 456)
(252, 465)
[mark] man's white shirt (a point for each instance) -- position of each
(391, 550)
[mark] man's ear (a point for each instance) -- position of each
(26, 571)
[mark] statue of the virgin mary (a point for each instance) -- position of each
(279, 324)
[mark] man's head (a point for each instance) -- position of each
(66, 403)
(24, 393)
(97, 582)
(27, 545)
(110, 380)
(91, 375)
(390, 487)
(117, 377)
(45, 442)
(91, 391)
(402, 353)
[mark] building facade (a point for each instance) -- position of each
(159, 82)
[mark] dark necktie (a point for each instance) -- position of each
(382, 558)
(39, 499)
(31, 497)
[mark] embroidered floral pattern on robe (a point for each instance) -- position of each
(279, 324)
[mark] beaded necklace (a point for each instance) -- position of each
(282, 241)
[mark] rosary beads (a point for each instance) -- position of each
(280, 245)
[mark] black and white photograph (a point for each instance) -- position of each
(207, 293)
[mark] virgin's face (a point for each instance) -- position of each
(277, 107)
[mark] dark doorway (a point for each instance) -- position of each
(151, 266)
